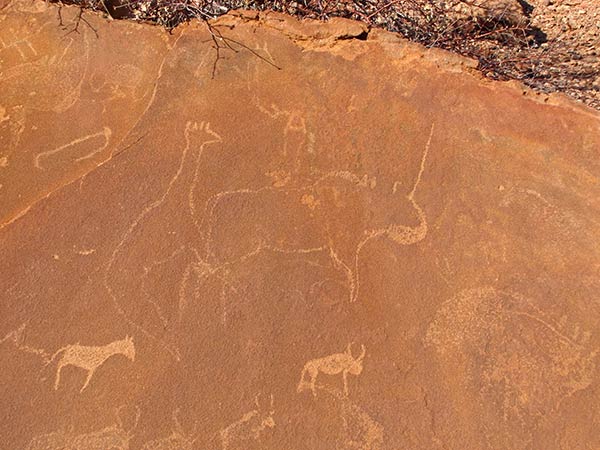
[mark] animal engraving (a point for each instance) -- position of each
(250, 426)
(114, 437)
(122, 269)
(90, 358)
(17, 337)
(178, 440)
(57, 440)
(519, 361)
(326, 198)
(105, 135)
(362, 432)
(332, 365)
(359, 430)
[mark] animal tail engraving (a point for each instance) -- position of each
(302, 383)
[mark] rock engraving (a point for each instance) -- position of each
(197, 137)
(178, 440)
(250, 426)
(359, 430)
(90, 358)
(105, 134)
(17, 337)
(114, 437)
(519, 358)
(343, 363)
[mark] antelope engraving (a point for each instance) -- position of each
(90, 358)
(332, 365)
(250, 426)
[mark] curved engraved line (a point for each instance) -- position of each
(106, 133)
(415, 234)
(143, 287)
(411, 236)
(560, 336)
(174, 352)
(153, 95)
(191, 199)
(213, 201)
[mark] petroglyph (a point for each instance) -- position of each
(541, 210)
(298, 139)
(362, 432)
(305, 194)
(74, 144)
(196, 271)
(125, 82)
(400, 234)
(359, 430)
(343, 363)
(178, 440)
(37, 72)
(11, 130)
(211, 138)
(3, 114)
(243, 255)
(86, 252)
(114, 437)
(148, 270)
(57, 440)
(250, 427)
(520, 359)
(17, 337)
(197, 136)
(91, 358)
(22, 44)
(152, 98)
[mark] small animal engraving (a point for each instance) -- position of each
(17, 337)
(90, 358)
(178, 440)
(56, 440)
(114, 437)
(362, 432)
(332, 365)
(250, 426)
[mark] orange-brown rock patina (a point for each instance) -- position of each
(326, 240)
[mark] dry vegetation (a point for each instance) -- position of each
(508, 38)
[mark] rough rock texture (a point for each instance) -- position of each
(327, 240)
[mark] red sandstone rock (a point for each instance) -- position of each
(318, 242)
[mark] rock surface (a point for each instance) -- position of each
(325, 239)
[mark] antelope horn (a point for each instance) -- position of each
(363, 352)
